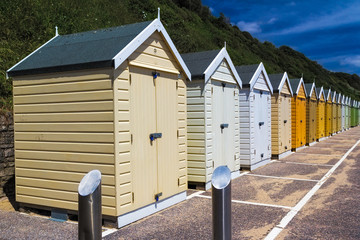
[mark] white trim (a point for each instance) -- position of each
(155, 25)
(299, 148)
(194, 194)
(109, 231)
(311, 91)
(285, 178)
(321, 92)
(29, 55)
(312, 143)
(284, 79)
(235, 174)
(215, 64)
(322, 139)
(256, 165)
(259, 70)
(301, 82)
(251, 203)
(282, 155)
(286, 220)
(140, 213)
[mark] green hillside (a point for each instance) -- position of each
(27, 24)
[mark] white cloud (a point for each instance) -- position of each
(251, 27)
(330, 20)
(291, 4)
(211, 9)
(272, 20)
(352, 60)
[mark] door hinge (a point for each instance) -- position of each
(235, 157)
(178, 181)
(234, 93)
(129, 79)
(132, 197)
(177, 133)
(177, 84)
(131, 138)
(213, 164)
(212, 90)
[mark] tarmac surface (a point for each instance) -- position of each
(311, 194)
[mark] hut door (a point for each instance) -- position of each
(261, 125)
(153, 110)
(223, 114)
(284, 123)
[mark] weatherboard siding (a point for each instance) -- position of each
(276, 129)
(223, 73)
(196, 133)
(61, 133)
(261, 83)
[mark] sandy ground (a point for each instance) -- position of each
(332, 213)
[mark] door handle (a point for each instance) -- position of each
(261, 123)
(285, 121)
(224, 125)
(154, 136)
(301, 121)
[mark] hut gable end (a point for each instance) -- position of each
(286, 89)
(155, 54)
(223, 73)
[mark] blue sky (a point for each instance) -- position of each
(325, 31)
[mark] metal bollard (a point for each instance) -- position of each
(90, 218)
(221, 203)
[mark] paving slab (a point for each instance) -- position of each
(192, 220)
(15, 225)
(323, 150)
(335, 145)
(291, 170)
(274, 191)
(333, 212)
(311, 158)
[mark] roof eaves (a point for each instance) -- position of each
(255, 76)
(8, 72)
(141, 37)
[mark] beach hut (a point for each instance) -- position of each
(320, 114)
(255, 116)
(347, 113)
(311, 122)
(298, 113)
(328, 112)
(343, 112)
(280, 115)
(112, 99)
(213, 115)
(333, 112)
(354, 111)
(338, 113)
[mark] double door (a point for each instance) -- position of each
(285, 123)
(153, 128)
(262, 125)
(223, 124)
(300, 122)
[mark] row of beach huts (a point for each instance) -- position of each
(124, 101)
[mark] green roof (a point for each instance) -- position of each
(92, 49)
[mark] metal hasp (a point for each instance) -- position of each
(90, 219)
(221, 203)
(154, 136)
(224, 125)
(261, 123)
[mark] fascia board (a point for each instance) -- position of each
(29, 55)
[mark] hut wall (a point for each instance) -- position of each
(63, 129)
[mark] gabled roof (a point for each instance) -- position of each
(343, 99)
(310, 88)
(278, 81)
(295, 85)
(338, 100)
(333, 96)
(327, 93)
(250, 73)
(93, 49)
(320, 91)
(204, 64)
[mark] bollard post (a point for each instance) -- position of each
(221, 203)
(90, 218)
